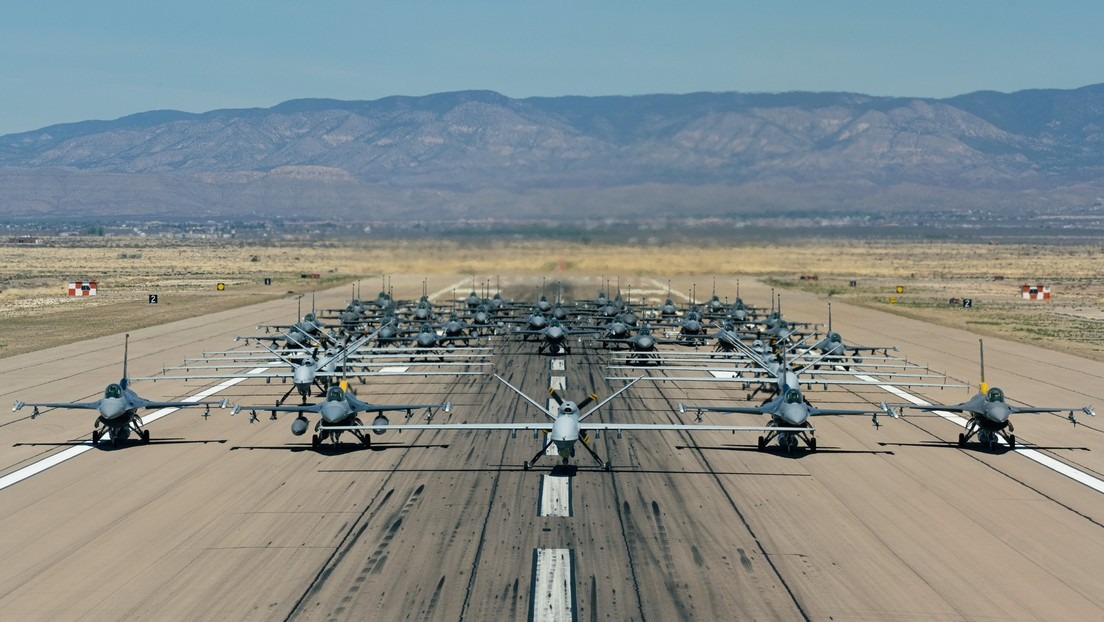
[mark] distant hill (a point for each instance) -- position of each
(480, 155)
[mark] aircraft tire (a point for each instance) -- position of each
(961, 440)
(315, 441)
(1011, 442)
(96, 434)
(608, 467)
(526, 465)
(145, 436)
(115, 441)
(762, 444)
(812, 444)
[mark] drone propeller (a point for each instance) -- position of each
(555, 396)
(587, 400)
(581, 405)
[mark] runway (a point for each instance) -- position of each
(219, 518)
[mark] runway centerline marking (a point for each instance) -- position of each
(53, 460)
(553, 585)
(555, 496)
(1060, 467)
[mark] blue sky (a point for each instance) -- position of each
(74, 61)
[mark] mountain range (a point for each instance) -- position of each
(479, 156)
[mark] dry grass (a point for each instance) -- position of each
(184, 273)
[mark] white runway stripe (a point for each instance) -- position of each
(553, 585)
(555, 497)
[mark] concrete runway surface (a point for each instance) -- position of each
(221, 519)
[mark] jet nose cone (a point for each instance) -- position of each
(999, 412)
(333, 413)
(794, 414)
(111, 408)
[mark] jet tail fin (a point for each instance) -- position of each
(126, 378)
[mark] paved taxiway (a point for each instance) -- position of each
(222, 519)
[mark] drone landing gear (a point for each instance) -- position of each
(605, 465)
(529, 463)
(96, 435)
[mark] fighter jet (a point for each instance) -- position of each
(338, 413)
(118, 408)
(555, 338)
(789, 411)
(989, 413)
(834, 350)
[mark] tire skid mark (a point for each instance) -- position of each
(356, 529)
(691, 443)
(621, 505)
(378, 558)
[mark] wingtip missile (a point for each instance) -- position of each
(18, 405)
(236, 409)
(1088, 410)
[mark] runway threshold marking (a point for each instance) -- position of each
(553, 597)
(53, 460)
(450, 288)
(1061, 467)
(555, 496)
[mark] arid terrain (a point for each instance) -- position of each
(36, 311)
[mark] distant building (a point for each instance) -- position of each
(82, 288)
(1035, 292)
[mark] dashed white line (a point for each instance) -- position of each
(553, 585)
(555, 496)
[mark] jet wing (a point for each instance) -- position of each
(813, 412)
(72, 405)
(306, 408)
(1088, 410)
(365, 407)
(953, 408)
(151, 404)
